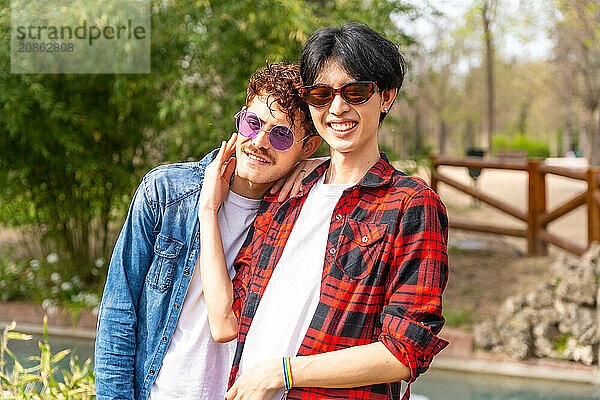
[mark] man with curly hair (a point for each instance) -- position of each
(153, 339)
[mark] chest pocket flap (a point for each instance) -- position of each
(166, 251)
(359, 247)
(167, 247)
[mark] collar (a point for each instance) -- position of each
(378, 175)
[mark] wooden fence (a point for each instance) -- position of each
(537, 216)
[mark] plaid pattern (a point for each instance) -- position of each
(385, 268)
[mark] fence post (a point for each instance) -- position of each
(592, 205)
(434, 181)
(536, 207)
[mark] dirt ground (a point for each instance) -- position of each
(484, 271)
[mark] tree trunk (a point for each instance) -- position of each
(418, 145)
(590, 128)
(595, 145)
(567, 142)
(489, 57)
(443, 135)
(469, 134)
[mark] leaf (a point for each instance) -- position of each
(18, 336)
(60, 355)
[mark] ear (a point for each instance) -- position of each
(387, 99)
(311, 145)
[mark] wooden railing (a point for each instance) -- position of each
(538, 216)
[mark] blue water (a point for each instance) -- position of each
(443, 385)
(83, 348)
(434, 385)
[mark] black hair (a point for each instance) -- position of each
(363, 53)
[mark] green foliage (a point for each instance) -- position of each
(459, 316)
(44, 282)
(559, 343)
(43, 380)
(74, 147)
(533, 147)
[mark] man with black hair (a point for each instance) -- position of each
(338, 291)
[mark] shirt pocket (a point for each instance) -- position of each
(359, 247)
(166, 252)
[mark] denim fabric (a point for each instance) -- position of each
(148, 276)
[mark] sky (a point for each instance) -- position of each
(524, 42)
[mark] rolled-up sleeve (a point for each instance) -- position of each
(412, 315)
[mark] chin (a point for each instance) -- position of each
(340, 145)
(256, 176)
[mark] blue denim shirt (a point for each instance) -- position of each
(148, 277)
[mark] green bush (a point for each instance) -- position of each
(43, 282)
(533, 147)
(74, 147)
(43, 380)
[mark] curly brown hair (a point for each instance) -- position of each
(280, 82)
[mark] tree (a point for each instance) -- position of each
(577, 55)
(488, 17)
(74, 147)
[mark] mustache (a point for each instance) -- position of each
(261, 152)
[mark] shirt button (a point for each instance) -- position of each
(332, 251)
(151, 372)
(364, 239)
(176, 306)
(338, 216)
(186, 271)
(164, 338)
(157, 247)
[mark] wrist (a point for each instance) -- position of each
(208, 212)
(277, 377)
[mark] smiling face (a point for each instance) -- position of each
(347, 128)
(259, 165)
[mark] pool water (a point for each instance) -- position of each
(434, 385)
(445, 385)
(84, 348)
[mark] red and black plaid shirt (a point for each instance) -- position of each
(385, 268)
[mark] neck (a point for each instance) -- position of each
(250, 190)
(350, 167)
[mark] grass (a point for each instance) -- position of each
(458, 316)
(43, 381)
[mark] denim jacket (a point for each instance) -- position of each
(148, 277)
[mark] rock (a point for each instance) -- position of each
(579, 353)
(576, 280)
(541, 297)
(543, 346)
(563, 265)
(519, 346)
(511, 306)
(580, 289)
(566, 313)
(591, 258)
(585, 326)
(486, 335)
(516, 335)
(559, 319)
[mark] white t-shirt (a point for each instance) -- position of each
(195, 366)
(292, 294)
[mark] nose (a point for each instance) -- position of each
(261, 140)
(338, 106)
